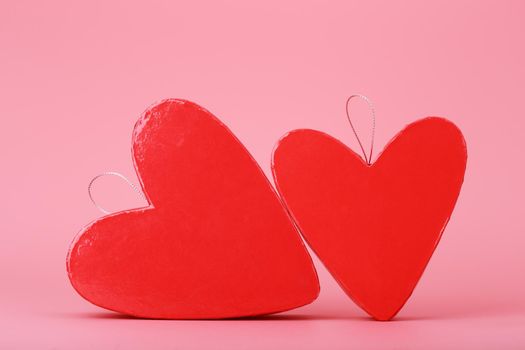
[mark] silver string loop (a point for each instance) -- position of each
(111, 173)
(368, 159)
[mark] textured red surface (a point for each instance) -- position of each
(215, 241)
(374, 227)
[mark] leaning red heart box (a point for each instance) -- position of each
(374, 226)
(215, 240)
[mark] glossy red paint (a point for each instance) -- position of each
(215, 241)
(375, 226)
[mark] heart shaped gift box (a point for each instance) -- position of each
(215, 240)
(374, 226)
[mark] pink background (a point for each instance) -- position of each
(74, 78)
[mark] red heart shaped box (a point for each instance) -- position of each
(374, 227)
(215, 241)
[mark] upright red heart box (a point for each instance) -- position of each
(374, 226)
(215, 240)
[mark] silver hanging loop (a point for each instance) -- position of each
(111, 173)
(368, 159)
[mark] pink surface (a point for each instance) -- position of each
(74, 78)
